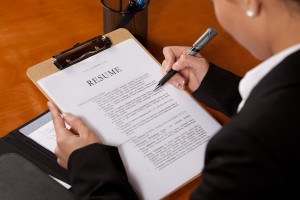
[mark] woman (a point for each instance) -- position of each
(255, 155)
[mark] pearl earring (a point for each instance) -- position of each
(250, 13)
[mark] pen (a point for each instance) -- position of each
(197, 46)
(129, 13)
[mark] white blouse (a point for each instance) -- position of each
(255, 75)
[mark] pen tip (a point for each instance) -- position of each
(158, 86)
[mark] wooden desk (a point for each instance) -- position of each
(34, 30)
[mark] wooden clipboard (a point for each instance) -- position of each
(47, 67)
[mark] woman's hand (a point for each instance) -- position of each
(68, 140)
(191, 69)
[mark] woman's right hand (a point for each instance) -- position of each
(190, 69)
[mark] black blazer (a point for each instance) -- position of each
(254, 156)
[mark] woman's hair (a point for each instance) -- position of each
(293, 4)
(297, 1)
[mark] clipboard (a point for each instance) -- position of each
(48, 66)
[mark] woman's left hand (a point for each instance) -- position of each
(70, 139)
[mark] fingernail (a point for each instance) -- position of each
(64, 115)
(49, 104)
(175, 65)
(163, 64)
(180, 86)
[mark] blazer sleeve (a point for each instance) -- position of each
(219, 90)
(97, 172)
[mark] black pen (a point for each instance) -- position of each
(197, 46)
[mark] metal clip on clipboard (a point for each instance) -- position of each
(81, 51)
